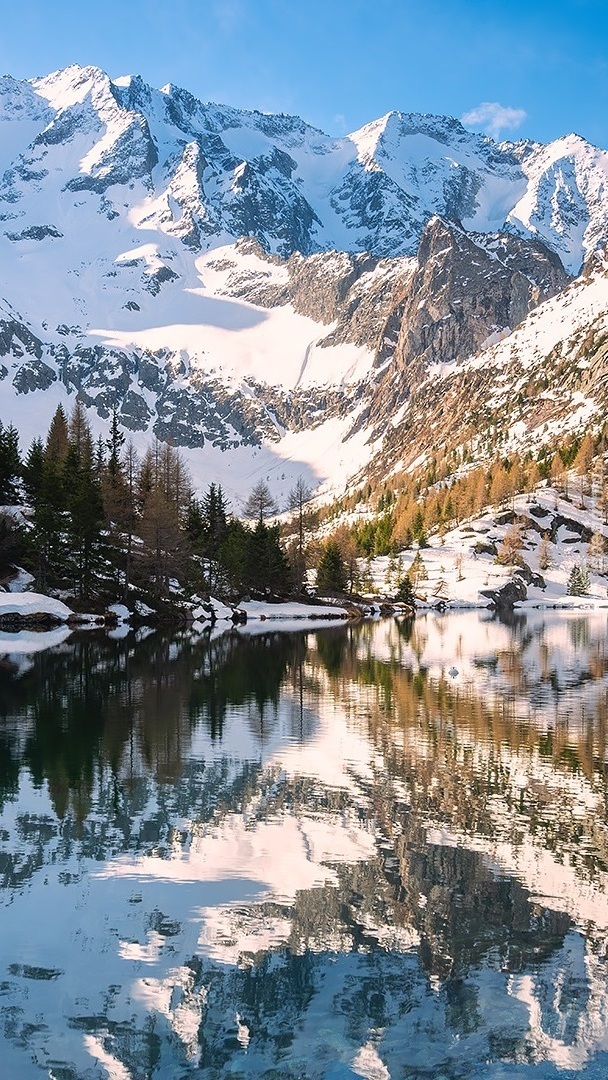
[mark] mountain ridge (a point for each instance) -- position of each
(376, 191)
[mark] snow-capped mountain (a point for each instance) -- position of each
(202, 172)
(243, 283)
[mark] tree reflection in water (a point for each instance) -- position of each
(434, 790)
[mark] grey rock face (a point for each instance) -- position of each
(267, 203)
(36, 232)
(466, 292)
(134, 413)
(528, 576)
(16, 339)
(132, 157)
(33, 375)
(485, 547)
(357, 292)
(572, 525)
(469, 288)
(157, 277)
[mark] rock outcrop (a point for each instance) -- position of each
(468, 291)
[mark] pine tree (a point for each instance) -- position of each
(32, 470)
(84, 502)
(516, 478)
(260, 504)
(501, 488)
(146, 479)
(299, 497)
(418, 527)
(441, 590)
(603, 496)
(418, 571)
(79, 432)
(11, 542)
(366, 583)
(207, 525)
(512, 544)
(195, 526)
(596, 552)
(56, 449)
(233, 557)
(214, 510)
(115, 444)
(544, 554)
(119, 510)
(130, 511)
(392, 573)
(559, 474)
(163, 493)
(174, 480)
(331, 572)
(582, 465)
(10, 466)
(345, 538)
(267, 569)
(45, 485)
(405, 592)
(164, 542)
(578, 582)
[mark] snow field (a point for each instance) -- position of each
(466, 573)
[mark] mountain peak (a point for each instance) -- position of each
(394, 127)
(71, 85)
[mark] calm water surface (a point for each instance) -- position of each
(376, 851)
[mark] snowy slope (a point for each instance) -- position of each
(565, 198)
(546, 379)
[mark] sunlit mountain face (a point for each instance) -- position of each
(365, 851)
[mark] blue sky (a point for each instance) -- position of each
(341, 63)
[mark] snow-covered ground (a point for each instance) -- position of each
(285, 617)
(458, 574)
(30, 604)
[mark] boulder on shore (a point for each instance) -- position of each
(32, 608)
(509, 594)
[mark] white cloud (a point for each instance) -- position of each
(494, 118)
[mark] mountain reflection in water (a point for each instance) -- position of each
(375, 851)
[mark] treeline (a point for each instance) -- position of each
(450, 490)
(98, 521)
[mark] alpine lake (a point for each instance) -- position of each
(375, 850)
